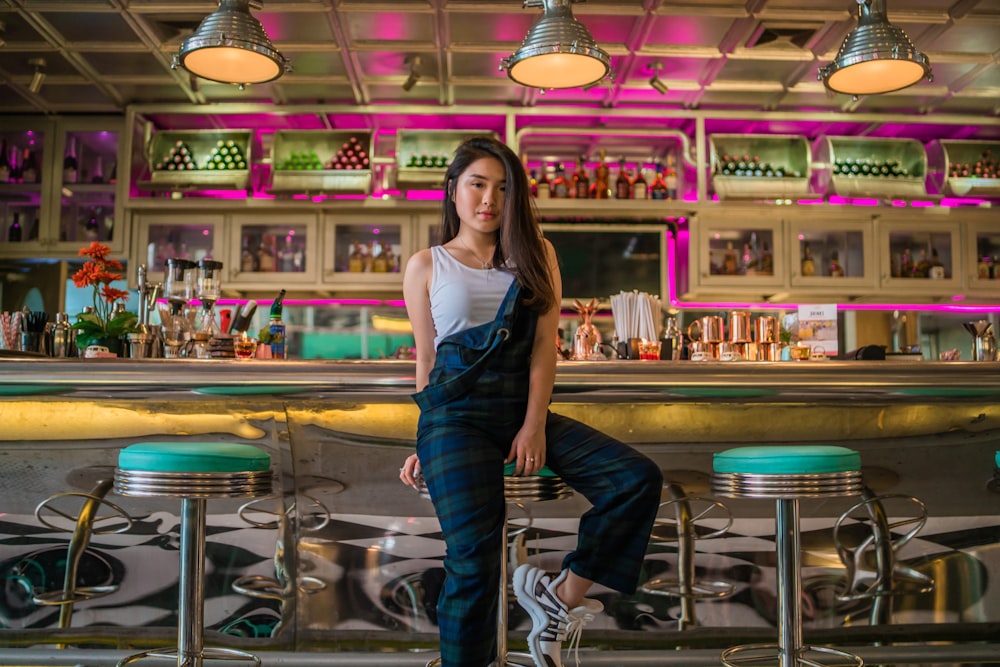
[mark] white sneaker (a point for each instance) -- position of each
(552, 622)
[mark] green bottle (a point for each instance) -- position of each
(277, 328)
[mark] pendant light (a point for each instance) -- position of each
(876, 57)
(230, 46)
(558, 51)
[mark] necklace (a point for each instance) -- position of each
(486, 265)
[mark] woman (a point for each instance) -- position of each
(484, 307)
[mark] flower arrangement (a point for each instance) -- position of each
(103, 323)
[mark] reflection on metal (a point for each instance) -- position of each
(888, 576)
(85, 524)
(682, 532)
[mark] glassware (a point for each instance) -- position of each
(245, 347)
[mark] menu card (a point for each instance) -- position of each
(818, 328)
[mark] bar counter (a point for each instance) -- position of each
(343, 564)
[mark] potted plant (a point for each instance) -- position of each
(104, 324)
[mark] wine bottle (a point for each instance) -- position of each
(836, 270)
(98, 176)
(808, 265)
(14, 233)
(581, 181)
(544, 187)
(640, 189)
(276, 328)
(602, 178)
(16, 173)
(623, 184)
(560, 186)
(29, 167)
(70, 167)
(91, 227)
(658, 190)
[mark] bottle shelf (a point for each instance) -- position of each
(199, 160)
(321, 161)
(423, 156)
(868, 167)
(741, 164)
(954, 165)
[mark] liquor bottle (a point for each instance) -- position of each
(276, 328)
(922, 266)
(730, 264)
(602, 178)
(379, 263)
(356, 260)
(808, 265)
(15, 232)
(544, 186)
(98, 176)
(70, 167)
(248, 258)
(560, 186)
(286, 257)
(533, 184)
(766, 260)
(670, 178)
(640, 189)
(581, 181)
(623, 184)
(658, 189)
(91, 227)
(836, 270)
(113, 178)
(906, 264)
(265, 254)
(29, 167)
(4, 162)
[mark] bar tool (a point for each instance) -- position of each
(984, 343)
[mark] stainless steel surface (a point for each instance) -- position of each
(764, 55)
(987, 653)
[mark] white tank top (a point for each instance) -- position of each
(462, 297)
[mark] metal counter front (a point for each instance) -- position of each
(344, 565)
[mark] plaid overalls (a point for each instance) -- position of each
(471, 409)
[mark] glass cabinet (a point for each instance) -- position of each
(832, 255)
(261, 246)
(927, 252)
(983, 257)
(87, 183)
(25, 149)
(376, 246)
(162, 236)
(738, 256)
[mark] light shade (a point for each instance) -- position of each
(558, 51)
(876, 57)
(230, 46)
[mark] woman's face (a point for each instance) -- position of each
(479, 193)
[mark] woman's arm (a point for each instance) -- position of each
(528, 448)
(416, 292)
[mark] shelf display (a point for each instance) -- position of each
(259, 247)
(331, 161)
(965, 168)
(423, 156)
(759, 166)
(870, 167)
(919, 251)
(199, 159)
(21, 200)
(366, 253)
(833, 255)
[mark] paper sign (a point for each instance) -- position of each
(818, 328)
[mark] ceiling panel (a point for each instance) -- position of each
(713, 54)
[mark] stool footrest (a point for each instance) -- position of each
(206, 654)
(766, 655)
(699, 590)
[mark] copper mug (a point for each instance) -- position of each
(766, 329)
(739, 326)
(709, 329)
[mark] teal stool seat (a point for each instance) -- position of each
(194, 472)
(787, 460)
(541, 486)
(787, 473)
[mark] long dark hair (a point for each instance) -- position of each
(519, 240)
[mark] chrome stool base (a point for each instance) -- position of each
(193, 660)
(523, 660)
(765, 655)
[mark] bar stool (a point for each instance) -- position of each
(786, 474)
(994, 484)
(542, 486)
(888, 577)
(688, 510)
(194, 472)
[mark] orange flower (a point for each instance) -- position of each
(96, 251)
(111, 294)
(98, 273)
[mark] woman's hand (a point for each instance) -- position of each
(527, 451)
(410, 472)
